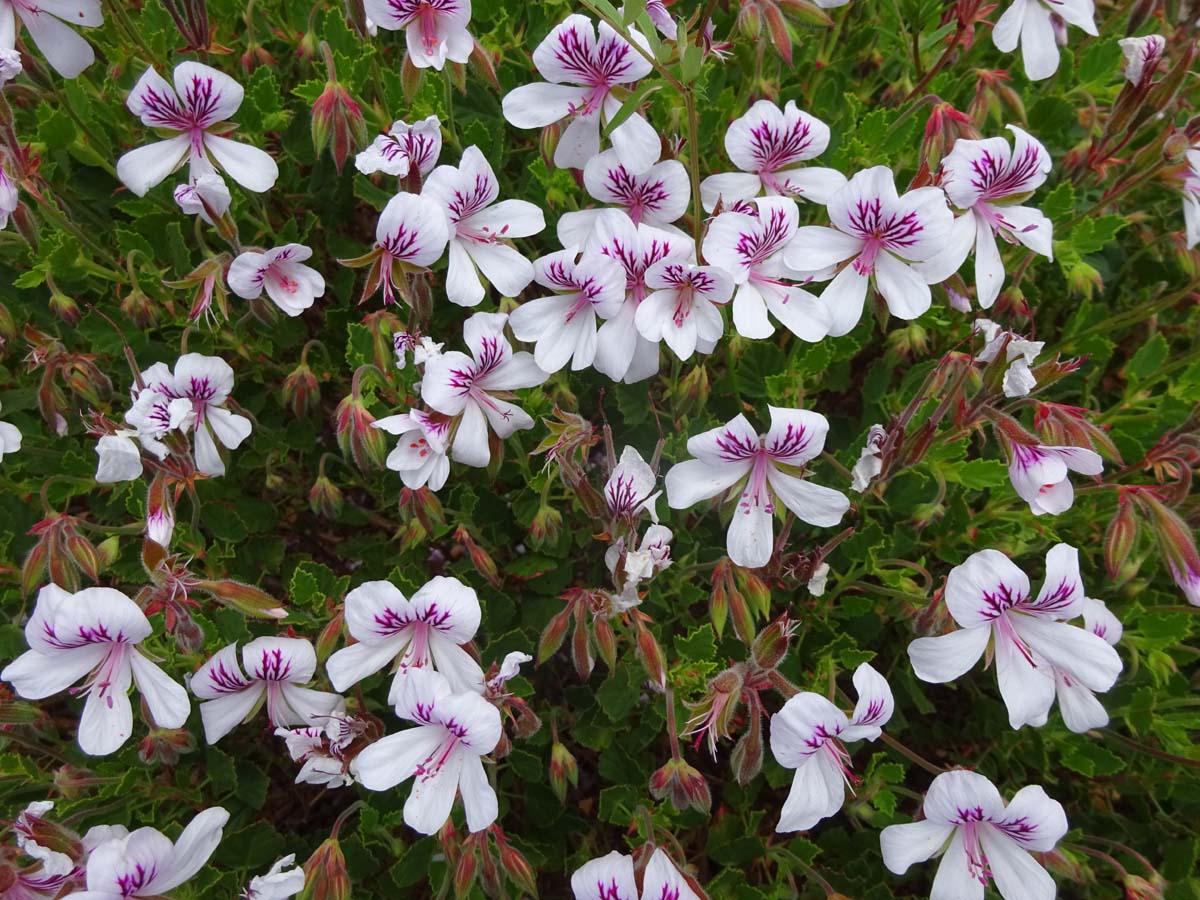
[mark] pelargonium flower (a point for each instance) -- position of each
(480, 229)
(1030, 23)
(404, 148)
(476, 390)
(192, 397)
(629, 490)
(988, 180)
(9, 198)
(768, 145)
(435, 30)
(201, 100)
(420, 455)
(146, 864)
(412, 232)
(982, 840)
(990, 600)
(10, 439)
(752, 249)
(67, 52)
(761, 470)
(1142, 55)
(1080, 709)
(426, 632)
(612, 877)
(291, 285)
(1020, 354)
(562, 327)
(322, 750)
(878, 234)
(441, 754)
(205, 195)
(279, 668)
(1039, 474)
(809, 735)
(582, 70)
(681, 307)
(279, 883)
(621, 352)
(657, 196)
(95, 633)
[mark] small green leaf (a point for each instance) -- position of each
(630, 106)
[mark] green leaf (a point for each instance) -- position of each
(1148, 359)
(1059, 204)
(700, 645)
(1091, 760)
(1090, 235)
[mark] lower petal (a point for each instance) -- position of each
(914, 842)
(478, 797)
(250, 167)
(954, 879)
(143, 168)
(428, 806)
(905, 291)
(813, 796)
(1016, 873)
(844, 298)
(392, 759)
(750, 313)
(166, 699)
(944, 658)
(812, 503)
(751, 535)
(223, 714)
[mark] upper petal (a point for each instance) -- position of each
(983, 587)
(607, 878)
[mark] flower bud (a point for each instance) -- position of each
(139, 308)
(743, 619)
(410, 79)
(1119, 538)
(747, 757)
(755, 590)
(356, 438)
(330, 635)
(771, 645)
(552, 635)
(517, 868)
(1177, 544)
(464, 874)
(606, 642)
(325, 874)
(581, 651)
(692, 391)
(546, 527)
(489, 874)
(64, 307)
(325, 498)
(301, 391)
(246, 599)
(337, 122)
(480, 559)
(563, 771)
(653, 659)
(1138, 888)
(160, 512)
(548, 143)
(164, 746)
(683, 785)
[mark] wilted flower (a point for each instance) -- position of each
(480, 229)
(983, 841)
(204, 195)
(809, 735)
(201, 100)
(66, 51)
(989, 598)
(427, 631)
(870, 460)
(279, 668)
(442, 754)
(1142, 55)
(583, 70)
(769, 145)
(1019, 379)
(403, 149)
(10, 65)
(435, 30)
(765, 466)
(291, 285)
(277, 884)
(95, 631)
(878, 234)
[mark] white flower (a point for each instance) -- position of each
(982, 841)
(279, 668)
(1141, 56)
(1030, 23)
(870, 460)
(95, 633)
(681, 308)
(878, 234)
(202, 99)
(10, 439)
(989, 598)
(621, 352)
(1038, 472)
(205, 195)
(441, 754)
(323, 764)
(611, 877)
(809, 735)
(10, 65)
(404, 148)
(420, 455)
(510, 667)
(435, 30)
(9, 198)
(413, 232)
(761, 471)
(192, 397)
(1080, 709)
(473, 388)
(988, 180)
(652, 556)
(768, 145)
(120, 457)
(630, 488)
(752, 249)
(582, 70)
(277, 884)
(426, 632)
(480, 229)
(657, 196)
(562, 327)
(291, 285)
(46, 22)
(144, 863)
(1019, 379)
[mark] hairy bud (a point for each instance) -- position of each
(683, 785)
(325, 874)
(563, 771)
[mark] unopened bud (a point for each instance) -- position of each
(464, 873)
(517, 868)
(325, 498)
(546, 527)
(301, 392)
(337, 122)
(1119, 538)
(652, 657)
(1138, 888)
(563, 771)
(64, 307)
(771, 645)
(245, 598)
(480, 558)
(755, 590)
(330, 635)
(747, 757)
(164, 746)
(1176, 147)
(356, 437)
(325, 874)
(683, 785)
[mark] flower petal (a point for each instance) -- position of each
(250, 167)
(165, 698)
(607, 878)
(987, 584)
(944, 658)
(145, 167)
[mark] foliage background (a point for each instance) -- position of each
(1135, 782)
